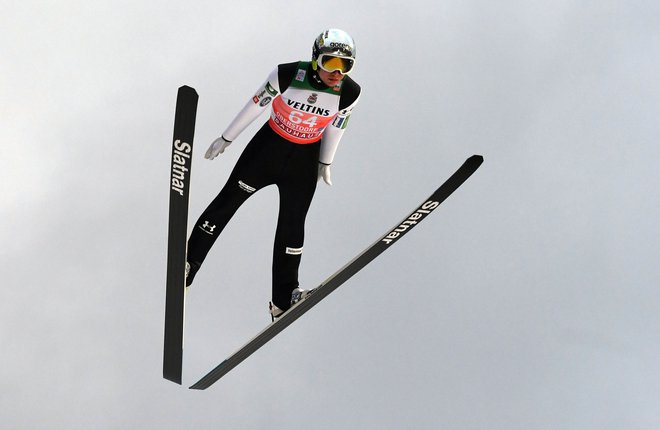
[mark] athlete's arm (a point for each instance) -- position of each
(333, 132)
(254, 107)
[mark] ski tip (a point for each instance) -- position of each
(187, 89)
(474, 162)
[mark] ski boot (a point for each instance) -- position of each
(275, 312)
(297, 295)
(191, 271)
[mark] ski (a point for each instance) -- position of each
(182, 147)
(345, 273)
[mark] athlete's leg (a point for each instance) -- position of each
(214, 219)
(249, 175)
(296, 193)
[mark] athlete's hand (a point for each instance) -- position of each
(217, 147)
(324, 172)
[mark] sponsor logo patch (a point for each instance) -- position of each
(245, 187)
(269, 88)
(294, 251)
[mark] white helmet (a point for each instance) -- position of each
(334, 50)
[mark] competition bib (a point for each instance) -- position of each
(302, 112)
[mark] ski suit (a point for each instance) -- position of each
(306, 123)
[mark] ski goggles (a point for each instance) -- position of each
(330, 63)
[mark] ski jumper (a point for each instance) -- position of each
(306, 123)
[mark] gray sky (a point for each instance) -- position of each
(529, 300)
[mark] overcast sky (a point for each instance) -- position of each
(528, 300)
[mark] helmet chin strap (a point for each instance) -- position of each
(317, 77)
(315, 73)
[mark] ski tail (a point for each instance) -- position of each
(182, 146)
(345, 273)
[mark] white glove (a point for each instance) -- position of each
(217, 147)
(324, 172)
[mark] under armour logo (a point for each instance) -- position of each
(207, 228)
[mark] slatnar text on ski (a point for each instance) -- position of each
(179, 169)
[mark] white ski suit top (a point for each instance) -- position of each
(304, 109)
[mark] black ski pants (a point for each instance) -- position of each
(267, 159)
